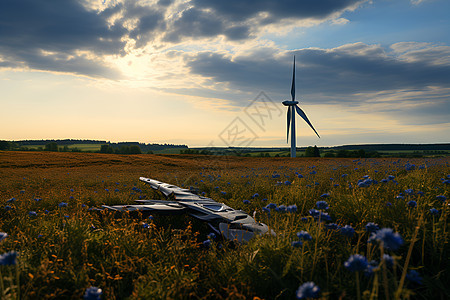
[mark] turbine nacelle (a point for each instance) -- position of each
(289, 103)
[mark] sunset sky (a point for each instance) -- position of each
(214, 72)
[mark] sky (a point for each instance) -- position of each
(214, 73)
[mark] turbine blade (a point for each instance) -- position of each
(293, 82)
(302, 114)
(288, 123)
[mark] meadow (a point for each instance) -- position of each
(345, 228)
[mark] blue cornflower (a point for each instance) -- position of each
(8, 207)
(282, 208)
(304, 219)
(414, 277)
(399, 197)
(356, 263)
(313, 172)
(347, 231)
(266, 209)
(8, 258)
(223, 193)
(326, 195)
(246, 201)
(255, 195)
(37, 199)
(308, 290)
(287, 182)
(412, 204)
(62, 204)
(11, 200)
(92, 293)
(116, 190)
(434, 212)
(211, 236)
(314, 212)
(292, 208)
(150, 218)
(336, 184)
(3, 236)
(372, 227)
(304, 235)
(106, 190)
(344, 175)
(390, 239)
(145, 226)
(296, 244)
(322, 204)
(71, 198)
(32, 214)
(409, 192)
(391, 177)
(441, 197)
(271, 205)
(300, 176)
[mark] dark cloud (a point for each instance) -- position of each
(347, 70)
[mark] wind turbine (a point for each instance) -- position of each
(292, 108)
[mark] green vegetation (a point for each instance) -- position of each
(64, 248)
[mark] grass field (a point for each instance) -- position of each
(63, 248)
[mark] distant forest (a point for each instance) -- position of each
(68, 145)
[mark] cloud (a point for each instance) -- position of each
(346, 70)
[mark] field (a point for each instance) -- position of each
(64, 248)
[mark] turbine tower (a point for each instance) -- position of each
(292, 108)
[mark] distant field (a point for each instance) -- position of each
(82, 147)
(64, 248)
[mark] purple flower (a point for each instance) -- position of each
(434, 212)
(390, 239)
(347, 231)
(296, 244)
(372, 227)
(412, 204)
(308, 290)
(322, 204)
(304, 235)
(414, 277)
(92, 293)
(356, 263)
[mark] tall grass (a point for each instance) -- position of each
(64, 250)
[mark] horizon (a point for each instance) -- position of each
(210, 73)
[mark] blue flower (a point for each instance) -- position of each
(326, 195)
(412, 203)
(308, 290)
(211, 236)
(409, 192)
(300, 176)
(344, 175)
(37, 199)
(32, 214)
(266, 209)
(287, 182)
(347, 231)
(62, 204)
(3, 236)
(356, 263)
(207, 243)
(292, 208)
(441, 197)
(372, 227)
(390, 239)
(399, 197)
(92, 293)
(414, 277)
(296, 244)
(11, 200)
(434, 212)
(391, 177)
(271, 205)
(322, 204)
(314, 212)
(313, 172)
(8, 207)
(255, 195)
(304, 235)
(246, 201)
(8, 258)
(150, 218)
(71, 198)
(282, 208)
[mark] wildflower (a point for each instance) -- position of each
(412, 204)
(434, 212)
(372, 227)
(207, 243)
(292, 208)
(92, 293)
(116, 190)
(390, 239)
(414, 277)
(344, 175)
(8, 258)
(11, 200)
(296, 244)
(37, 199)
(271, 205)
(356, 263)
(223, 193)
(322, 204)
(326, 195)
(287, 182)
(314, 212)
(304, 235)
(388, 204)
(281, 208)
(211, 236)
(145, 226)
(409, 192)
(62, 204)
(347, 231)
(8, 207)
(266, 209)
(246, 201)
(300, 176)
(391, 177)
(336, 184)
(150, 218)
(399, 197)
(304, 219)
(71, 198)
(3, 236)
(441, 197)
(308, 290)
(46, 212)
(255, 195)
(32, 214)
